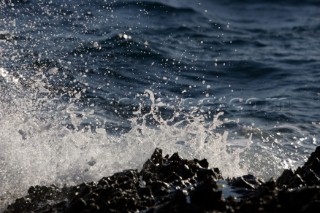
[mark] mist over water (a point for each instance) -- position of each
(89, 89)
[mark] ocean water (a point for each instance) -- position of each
(89, 88)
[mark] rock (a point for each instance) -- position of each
(249, 182)
(307, 175)
(206, 196)
(298, 199)
(173, 184)
(5, 36)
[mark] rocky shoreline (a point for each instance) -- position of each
(173, 184)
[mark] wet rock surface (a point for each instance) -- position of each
(173, 184)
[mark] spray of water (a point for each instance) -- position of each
(47, 136)
(38, 148)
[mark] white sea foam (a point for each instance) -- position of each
(38, 149)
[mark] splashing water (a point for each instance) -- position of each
(48, 136)
(51, 132)
(38, 148)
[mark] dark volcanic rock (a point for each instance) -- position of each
(164, 184)
(297, 191)
(245, 185)
(173, 184)
(308, 175)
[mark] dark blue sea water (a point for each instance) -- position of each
(108, 81)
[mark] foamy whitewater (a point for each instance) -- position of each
(90, 89)
(37, 148)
